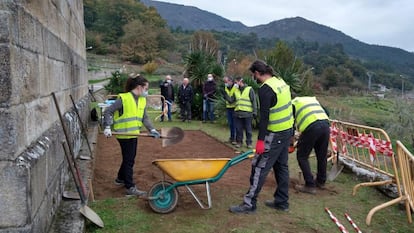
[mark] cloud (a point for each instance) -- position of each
(381, 22)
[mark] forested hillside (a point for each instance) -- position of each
(139, 34)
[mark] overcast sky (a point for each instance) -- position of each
(381, 22)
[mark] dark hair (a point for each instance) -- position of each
(229, 78)
(238, 78)
(133, 81)
(261, 67)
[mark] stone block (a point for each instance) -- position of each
(9, 130)
(4, 26)
(30, 32)
(25, 72)
(14, 193)
(5, 76)
(38, 114)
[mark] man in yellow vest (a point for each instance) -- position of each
(275, 132)
(244, 112)
(228, 95)
(129, 114)
(312, 122)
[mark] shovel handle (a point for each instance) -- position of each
(139, 135)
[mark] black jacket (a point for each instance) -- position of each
(185, 94)
(167, 90)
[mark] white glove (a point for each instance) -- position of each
(108, 132)
(155, 133)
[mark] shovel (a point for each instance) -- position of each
(336, 168)
(82, 127)
(71, 195)
(84, 210)
(169, 136)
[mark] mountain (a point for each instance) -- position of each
(191, 18)
(289, 29)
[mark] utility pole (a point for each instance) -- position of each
(369, 73)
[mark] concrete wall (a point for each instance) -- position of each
(42, 50)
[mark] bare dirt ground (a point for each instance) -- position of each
(196, 144)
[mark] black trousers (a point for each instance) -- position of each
(316, 136)
(129, 152)
(276, 157)
(185, 110)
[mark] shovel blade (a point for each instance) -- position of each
(171, 136)
(335, 171)
(91, 215)
(71, 195)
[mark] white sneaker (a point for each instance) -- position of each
(133, 191)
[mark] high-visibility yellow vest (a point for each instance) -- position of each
(230, 92)
(243, 102)
(131, 119)
(280, 115)
(307, 111)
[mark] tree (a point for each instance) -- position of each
(205, 42)
(139, 44)
(285, 64)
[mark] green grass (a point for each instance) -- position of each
(94, 81)
(306, 211)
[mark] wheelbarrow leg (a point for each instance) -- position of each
(198, 200)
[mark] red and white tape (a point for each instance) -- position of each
(336, 221)
(356, 228)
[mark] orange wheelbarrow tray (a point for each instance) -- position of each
(163, 196)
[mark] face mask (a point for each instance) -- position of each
(168, 81)
(236, 85)
(226, 84)
(210, 79)
(144, 94)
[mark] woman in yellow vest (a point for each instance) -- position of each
(312, 122)
(128, 114)
(275, 131)
(228, 94)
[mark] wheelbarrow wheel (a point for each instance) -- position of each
(166, 201)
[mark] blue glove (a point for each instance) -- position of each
(154, 133)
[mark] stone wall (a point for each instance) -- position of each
(42, 50)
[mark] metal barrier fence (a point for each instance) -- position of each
(369, 148)
(406, 193)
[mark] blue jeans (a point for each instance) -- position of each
(230, 121)
(208, 109)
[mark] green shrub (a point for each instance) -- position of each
(116, 83)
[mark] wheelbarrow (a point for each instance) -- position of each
(163, 196)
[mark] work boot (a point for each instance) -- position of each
(320, 185)
(119, 182)
(133, 191)
(271, 204)
(305, 189)
(242, 209)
